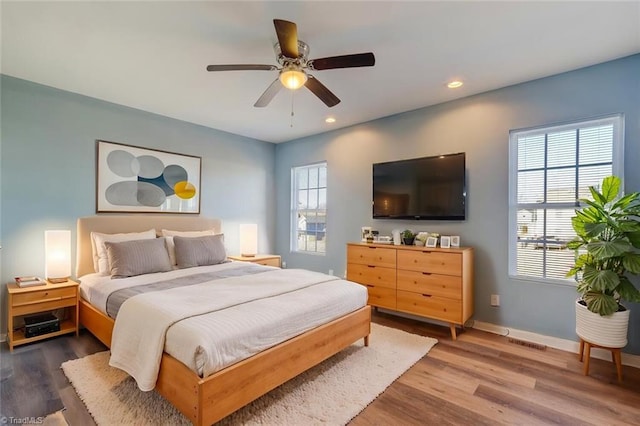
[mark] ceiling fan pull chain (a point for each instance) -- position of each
(291, 123)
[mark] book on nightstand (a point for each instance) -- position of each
(29, 281)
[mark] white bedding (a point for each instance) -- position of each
(255, 318)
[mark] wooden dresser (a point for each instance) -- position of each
(430, 282)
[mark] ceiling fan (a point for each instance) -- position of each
(292, 56)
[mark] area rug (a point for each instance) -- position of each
(331, 393)
(55, 419)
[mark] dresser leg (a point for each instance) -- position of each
(366, 340)
(452, 327)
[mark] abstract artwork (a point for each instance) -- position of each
(142, 180)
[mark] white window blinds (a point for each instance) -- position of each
(550, 169)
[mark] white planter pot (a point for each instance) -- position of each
(609, 331)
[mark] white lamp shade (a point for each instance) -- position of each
(57, 248)
(248, 239)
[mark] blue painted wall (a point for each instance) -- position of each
(48, 157)
(47, 177)
(478, 125)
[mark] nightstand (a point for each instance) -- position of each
(42, 299)
(260, 259)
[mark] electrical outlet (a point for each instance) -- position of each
(495, 300)
(284, 265)
(330, 271)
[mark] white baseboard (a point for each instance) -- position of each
(553, 342)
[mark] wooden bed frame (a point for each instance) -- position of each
(207, 400)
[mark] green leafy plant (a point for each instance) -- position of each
(408, 233)
(607, 243)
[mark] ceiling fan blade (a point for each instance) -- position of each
(321, 91)
(242, 67)
(287, 37)
(269, 94)
(344, 61)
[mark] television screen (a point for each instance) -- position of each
(430, 188)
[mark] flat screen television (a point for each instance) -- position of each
(428, 188)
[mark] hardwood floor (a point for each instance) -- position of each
(482, 378)
(32, 383)
(479, 379)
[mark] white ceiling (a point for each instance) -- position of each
(152, 55)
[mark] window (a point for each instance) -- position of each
(550, 169)
(309, 208)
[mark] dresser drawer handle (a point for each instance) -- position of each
(427, 251)
(371, 266)
(369, 285)
(426, 295)
(426, 273)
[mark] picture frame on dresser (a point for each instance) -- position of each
(455, 241)
(133, 179)
(445, 242)
(431, 242)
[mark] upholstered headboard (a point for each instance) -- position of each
(112, 224)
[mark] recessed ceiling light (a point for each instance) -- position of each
(330, 120)
(454, 84)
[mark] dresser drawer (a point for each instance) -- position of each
(372, 255)
(381, 296)
(436, 262)
(369, 274)
(448, 286)
(434, 307)
(45, 295)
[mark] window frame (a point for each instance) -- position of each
(617, 167)
(293, 225)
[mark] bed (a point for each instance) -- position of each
(205, 400)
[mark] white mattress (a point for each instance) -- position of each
(212, 341)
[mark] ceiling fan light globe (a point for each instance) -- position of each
(293, 79)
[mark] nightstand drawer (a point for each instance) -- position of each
(260, 259)
(274, 261)
(43, 296)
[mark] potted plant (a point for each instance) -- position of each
(408, 236)
(607, 243)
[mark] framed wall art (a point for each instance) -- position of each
(142, 180)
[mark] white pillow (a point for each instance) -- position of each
(171, 247)
(100, 258)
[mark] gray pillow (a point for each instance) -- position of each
(200, 251)
(129, 258)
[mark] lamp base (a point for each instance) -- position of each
(58, 280)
